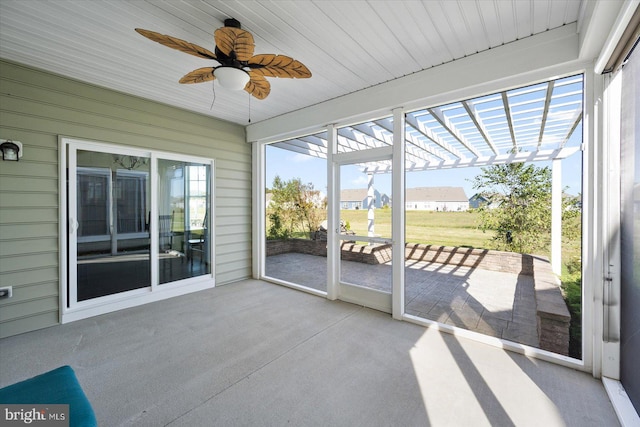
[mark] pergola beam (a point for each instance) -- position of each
(429, 152)
(471, 111)
(507, 112)
(302, 147)
(427, 133)
(438, 114)
(576, 122)
(349, 134)
(533, 156)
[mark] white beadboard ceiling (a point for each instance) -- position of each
(347, 45)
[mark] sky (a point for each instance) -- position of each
(289, 165)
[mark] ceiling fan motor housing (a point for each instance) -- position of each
(232, 22)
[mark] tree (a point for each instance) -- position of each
(522, 193)
(295, 208)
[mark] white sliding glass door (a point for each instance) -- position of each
(137, 229)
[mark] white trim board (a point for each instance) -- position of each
(622, 405)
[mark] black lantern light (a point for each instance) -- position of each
(11, 150)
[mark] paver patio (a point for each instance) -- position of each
(494, 303)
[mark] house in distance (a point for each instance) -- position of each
(444, 199)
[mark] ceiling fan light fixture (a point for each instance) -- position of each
(239, 68)
(231, 78)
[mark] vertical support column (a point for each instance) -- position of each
(556, 216)
(258, 228)
(370, 206)
(592, 222)
(397, 214)
(611, 221)
(333, 216)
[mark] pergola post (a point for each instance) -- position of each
(370, 206)
(556, 216)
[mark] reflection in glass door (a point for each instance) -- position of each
(111, 206)
(183, 219)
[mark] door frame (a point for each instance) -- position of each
(336, 289)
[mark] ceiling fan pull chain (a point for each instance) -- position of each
(213, 90)
(249, 108)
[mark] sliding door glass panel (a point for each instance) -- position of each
(184, 194)
(365, 226)
(296, 212)
(112, 204)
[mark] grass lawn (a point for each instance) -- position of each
(429, 227)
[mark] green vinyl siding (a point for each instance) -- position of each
(36, 108)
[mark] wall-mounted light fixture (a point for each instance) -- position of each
(11, 150)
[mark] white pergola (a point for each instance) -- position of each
(528, 124)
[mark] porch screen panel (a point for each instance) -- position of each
(296, 212)
(630, 229)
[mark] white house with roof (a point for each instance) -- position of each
(444, 199)
(358, 199)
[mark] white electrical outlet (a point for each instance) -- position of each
(6, 292)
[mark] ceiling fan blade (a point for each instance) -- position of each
(258, 86)
(236, 40)
(198, 76)
(178, 44)
(271, 65)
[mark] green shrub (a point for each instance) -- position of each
(572, 291)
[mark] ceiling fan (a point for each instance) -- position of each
(239, 68)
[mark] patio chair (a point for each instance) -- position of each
(198, 244)
(57, 387)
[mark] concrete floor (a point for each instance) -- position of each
(258, 354)
(490, 302)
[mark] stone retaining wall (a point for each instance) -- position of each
(551, 310)
(552, 313)
(301, 246)
(374, 254)
(485, 259)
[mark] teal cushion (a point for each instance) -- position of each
(56, 387)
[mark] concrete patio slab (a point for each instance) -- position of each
(493, 303)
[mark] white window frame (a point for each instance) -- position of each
(70, 308)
